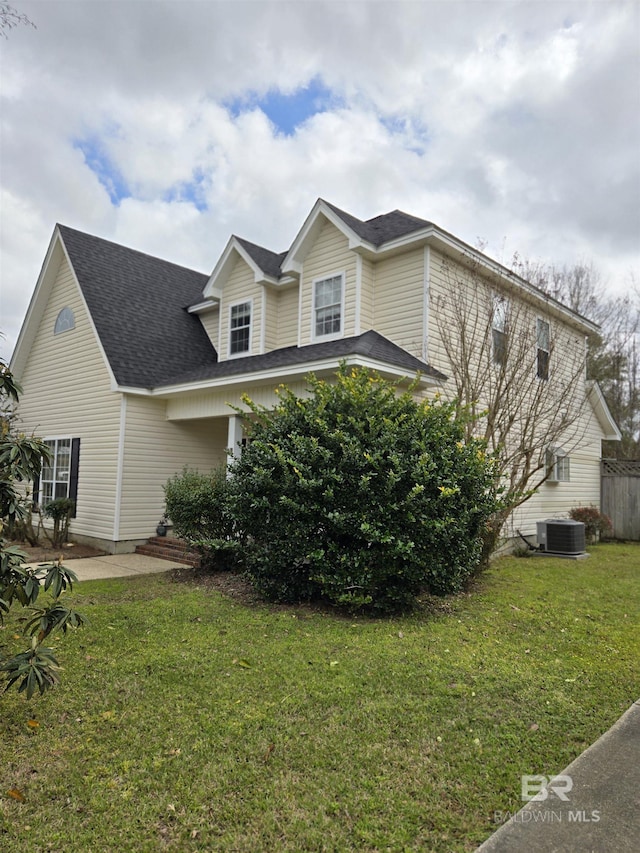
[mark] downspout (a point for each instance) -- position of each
(120, 468)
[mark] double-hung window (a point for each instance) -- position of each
(240, 328)
(328, 306)
(59, 474)
(558, 465)
(543, 342)
(499, 323)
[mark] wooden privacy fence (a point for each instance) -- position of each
(620, 496)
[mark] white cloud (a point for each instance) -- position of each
(514, 122)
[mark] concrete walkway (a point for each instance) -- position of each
(593, 806)
(118, 566)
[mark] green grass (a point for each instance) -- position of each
(187, 721)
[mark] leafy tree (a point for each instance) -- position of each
(360, 495)
(34, 669)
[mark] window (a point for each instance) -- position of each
(558, 465)
(240, 328)
(327, 306)
(64, 321)
(59, 475)
(499, 329)
(543, 339)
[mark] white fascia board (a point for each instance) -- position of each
(37, 304)
(135, 392)
(225, 264)
(286, 373)
(308, 232)
(207, 305)
(513, 279)
(56, 253)
(112, 378)
(448, 243)
(602, 412)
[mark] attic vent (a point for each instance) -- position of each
(64, 321)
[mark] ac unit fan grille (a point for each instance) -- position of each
(565, 537)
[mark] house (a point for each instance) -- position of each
(131, 365)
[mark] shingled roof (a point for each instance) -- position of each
(138, 306)
(370, 345)
(381, 229)
(268, 261)
(139, 303)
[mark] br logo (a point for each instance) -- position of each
(538, 788)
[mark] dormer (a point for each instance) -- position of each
(240, 305)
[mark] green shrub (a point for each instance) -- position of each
(60, 510)
(197, 505)
(360, 495)
(596, 524)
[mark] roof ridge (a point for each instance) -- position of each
(61, 227)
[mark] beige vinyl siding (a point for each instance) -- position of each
(219, 403)
(329, 256)
(272, 300)
(240, 287)
(67, 393)
(399, 300)
(154, 450)
(367, 284)
(211, 323)
(445, 276)
(287, 311)
(554, 500)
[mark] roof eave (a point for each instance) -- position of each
(610, 429)
(286, 373)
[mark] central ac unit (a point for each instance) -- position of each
(561, 536)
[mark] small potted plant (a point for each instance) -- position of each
(163, 524)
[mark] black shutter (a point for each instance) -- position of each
(36, 489)
(73, 473)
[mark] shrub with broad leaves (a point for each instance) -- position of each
(596, 524)
(35, 669)
(359, 495)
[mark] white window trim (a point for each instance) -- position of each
(65, 321)
(539, 348)
(498, 298)
(554, 455)
(335, 335)
(39, 498)
(251, 318)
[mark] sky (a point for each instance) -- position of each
(169, 126)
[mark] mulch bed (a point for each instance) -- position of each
(230, 584)
(45, 553)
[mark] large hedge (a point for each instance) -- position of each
(360, 495)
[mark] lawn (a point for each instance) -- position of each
(187, 720)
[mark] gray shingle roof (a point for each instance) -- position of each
(370, 344)
(137, 303)
(268, 261)
(381, 229)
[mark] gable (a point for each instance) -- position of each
(138, 305)
(57, 349)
